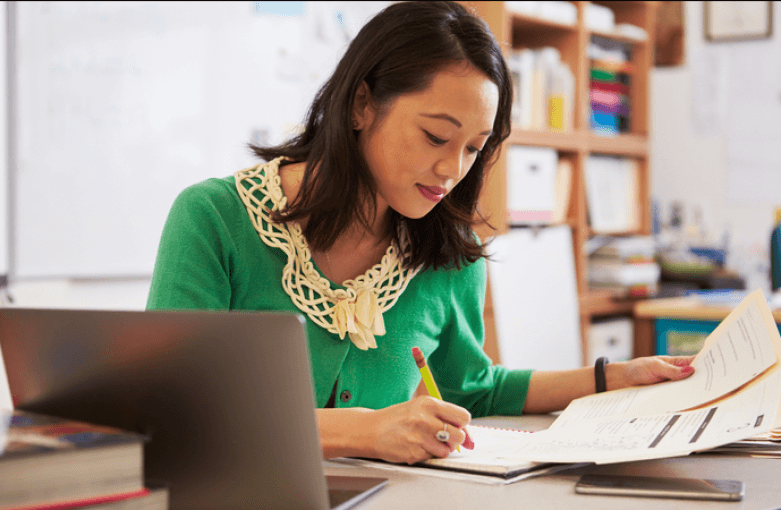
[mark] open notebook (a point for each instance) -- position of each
(493, 461)
(493, 454)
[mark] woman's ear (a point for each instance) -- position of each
(363, 108)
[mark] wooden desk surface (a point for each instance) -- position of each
(412, 492)
(689, 307)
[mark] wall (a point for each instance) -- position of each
(691, 162)
(93, 294)
(180, 85)
(715, 132)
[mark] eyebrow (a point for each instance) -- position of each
(453, 120)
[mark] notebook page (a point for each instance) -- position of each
(494, 448)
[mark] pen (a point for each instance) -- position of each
(428, 379)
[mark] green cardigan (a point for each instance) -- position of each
(211, 257)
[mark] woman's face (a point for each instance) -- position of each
(425, 142)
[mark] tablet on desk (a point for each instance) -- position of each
(661, 487)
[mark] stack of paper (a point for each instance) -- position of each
(734, 394)
(626, 266)
(640, 248)
(761, 445)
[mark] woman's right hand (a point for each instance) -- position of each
(406, 432)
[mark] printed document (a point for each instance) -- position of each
(734, 394)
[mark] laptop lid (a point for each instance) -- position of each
(226, 398)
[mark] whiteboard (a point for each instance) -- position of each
(121, 105)
(535, 298)
(4, 240)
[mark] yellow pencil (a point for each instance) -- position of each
(428, 379)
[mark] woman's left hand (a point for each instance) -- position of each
(648, 370)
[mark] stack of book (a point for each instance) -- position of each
(609, 97)
(625, 266)
(52, 463)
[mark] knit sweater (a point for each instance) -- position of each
(211, 258)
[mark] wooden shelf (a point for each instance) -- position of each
(570, 223)
(597, 303)
(580, 140)
(514, 30)
(568, 142)
(619, 38)
(621, 145)
(532, 24)
(639, 232)
(687, 308)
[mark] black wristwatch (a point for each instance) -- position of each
(599, 374)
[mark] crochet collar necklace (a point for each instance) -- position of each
(356, 310)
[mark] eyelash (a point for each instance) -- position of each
(440, 142)
(434, 140)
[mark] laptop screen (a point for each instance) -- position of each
(224, 397)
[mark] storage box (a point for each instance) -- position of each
(612, 338)
(531, 184)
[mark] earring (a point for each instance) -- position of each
(356, 124)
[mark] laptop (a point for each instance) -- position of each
(225, 398)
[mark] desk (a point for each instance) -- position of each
(557, 491)
(690, 315)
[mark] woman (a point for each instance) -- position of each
(364, 224)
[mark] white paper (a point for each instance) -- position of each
(493, 447)
(453, 475)
(733, 394)
(637, 437)
(741, 348)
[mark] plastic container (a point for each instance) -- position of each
(561, 98)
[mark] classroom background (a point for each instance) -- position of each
(114, 108)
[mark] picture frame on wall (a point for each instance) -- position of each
(738, 21)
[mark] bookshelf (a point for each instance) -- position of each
(517, 31)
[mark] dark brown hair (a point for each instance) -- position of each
(397, 52)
